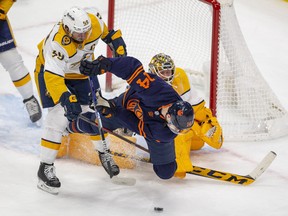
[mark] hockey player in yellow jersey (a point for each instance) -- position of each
(12, 62)
(61, 87)
(206, 128)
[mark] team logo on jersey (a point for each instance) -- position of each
(66, 40)
(133, 105)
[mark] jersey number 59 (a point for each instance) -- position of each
(58, 54)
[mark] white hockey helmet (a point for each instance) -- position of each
(163, 66)
(77, 24)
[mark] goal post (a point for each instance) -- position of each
(110, 23)
(204, 37)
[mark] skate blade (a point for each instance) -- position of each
(123, 181)
(52, 190)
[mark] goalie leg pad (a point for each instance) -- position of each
(182, 151)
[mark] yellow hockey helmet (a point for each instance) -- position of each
(163, 66)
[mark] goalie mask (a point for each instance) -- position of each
(163, 66)
(180, 117)
(77, 24)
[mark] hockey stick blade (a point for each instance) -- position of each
(235, 178)
(123, 181)
(263, 165)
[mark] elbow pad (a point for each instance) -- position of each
(116, 43)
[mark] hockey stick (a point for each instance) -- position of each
(113, 133)
(220, 175)
(235, 178)
(201, 171)
(99, 125)
(123, 155)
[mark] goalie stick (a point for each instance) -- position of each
(219, 175)
(201, 171)
(236, 178)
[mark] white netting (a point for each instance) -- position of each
(246, 106)
(245, 103)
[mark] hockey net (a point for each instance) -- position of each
(205, 39)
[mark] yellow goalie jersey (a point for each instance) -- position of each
(205, 128)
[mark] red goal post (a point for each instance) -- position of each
(203, 37)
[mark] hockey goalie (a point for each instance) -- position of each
(206, 128)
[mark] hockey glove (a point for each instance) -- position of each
(71, 106)
(96, 67)
(211, 133)
(116, 43)
(106, 107)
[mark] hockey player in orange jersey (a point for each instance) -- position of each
(206, 128)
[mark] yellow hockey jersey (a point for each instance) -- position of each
(181, 85)
(5, 6)
(61, 56)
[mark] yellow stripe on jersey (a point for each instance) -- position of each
(50, 144)
(5, 7)
(180, 82)
(40, 56)
(55, 85)
(22, 81)
(97, 30)
(61, 38)
(36, 74)
(97, 137)
(75, 76)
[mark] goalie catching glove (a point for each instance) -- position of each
(96, 67)
(207, 127)
(210, 132)
(116, 43)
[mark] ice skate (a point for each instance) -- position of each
(33, 108)
(47, 178)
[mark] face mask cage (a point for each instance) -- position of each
(80, 36)
(163, 66)
(174, 129)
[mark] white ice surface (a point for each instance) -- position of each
(86, 189)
